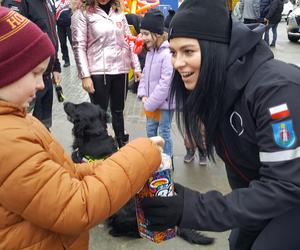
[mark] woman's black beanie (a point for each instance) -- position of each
(153, 21)
(202, 19)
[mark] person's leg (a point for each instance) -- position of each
(102, 88)
(43, 104)
(151, 127)
(38, 109)
(281, 233)
(267, 36)
(62, 35)
(118, 95)
(190, 150)
(241, 239)
(274, 31)
(203, 160)
(165, 130)
(69, 35)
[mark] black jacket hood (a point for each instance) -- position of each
(247, 51)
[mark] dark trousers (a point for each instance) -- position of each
(43, 103)
(64, 32)
(280, 233)
(112, 89)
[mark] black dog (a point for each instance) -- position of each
(91, 140)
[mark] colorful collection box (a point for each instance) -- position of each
(159, 184)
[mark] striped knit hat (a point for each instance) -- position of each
(23, 46)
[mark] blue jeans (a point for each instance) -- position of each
(274, 31)
(164, 126)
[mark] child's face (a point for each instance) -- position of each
(22, 91)
(186, 59)
(148, 39)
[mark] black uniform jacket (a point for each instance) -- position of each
(42, 13)
(259, 140)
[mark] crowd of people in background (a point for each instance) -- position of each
(267, 12)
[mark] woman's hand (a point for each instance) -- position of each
(88, 85)
(159, 141)
(164, 212)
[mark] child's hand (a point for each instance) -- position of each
(144, 99)
(137, 76)
(159, 141)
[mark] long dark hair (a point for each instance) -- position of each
(204, 102)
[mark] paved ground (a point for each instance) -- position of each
(194, 176)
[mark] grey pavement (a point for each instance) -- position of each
(202, 178)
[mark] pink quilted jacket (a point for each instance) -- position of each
(99, 45)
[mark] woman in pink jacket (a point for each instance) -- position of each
(103, 57)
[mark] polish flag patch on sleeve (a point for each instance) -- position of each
(279, 112)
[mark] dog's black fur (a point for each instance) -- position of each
(90, 131)
(91, 139)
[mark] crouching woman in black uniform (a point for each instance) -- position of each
(227, 77)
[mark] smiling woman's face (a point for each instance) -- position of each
(186, 59)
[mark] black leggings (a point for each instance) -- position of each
(111, 89)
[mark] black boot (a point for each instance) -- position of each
(118, 126)
(122, 141)
(67, 63)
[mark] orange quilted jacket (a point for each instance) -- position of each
(47, 201)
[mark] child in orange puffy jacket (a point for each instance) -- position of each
(47, 201)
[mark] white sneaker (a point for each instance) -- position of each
(203, 160)
(190, 156)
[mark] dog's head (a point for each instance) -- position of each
(88, 118)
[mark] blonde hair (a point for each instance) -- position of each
(90, 5)
(158, 38)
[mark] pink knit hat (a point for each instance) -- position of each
(23, 46)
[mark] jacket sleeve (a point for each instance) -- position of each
(135, 64)
(79, 31)
(162, 90)
(47, 195)
(273, 6)
(142, 84)
(278, 188)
